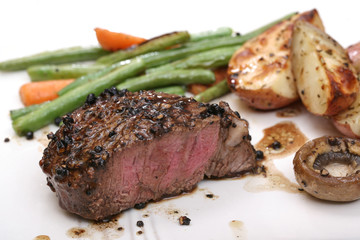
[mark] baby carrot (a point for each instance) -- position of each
(113, 41)
(38, 92)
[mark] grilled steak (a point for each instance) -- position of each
(125, 148)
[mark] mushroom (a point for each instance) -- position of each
(328, 168)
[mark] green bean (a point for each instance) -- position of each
(161, 79)
(216, 91)
(66, 55)
(46, 72)
(208, 59)
(73, 99)
(178, 90)
(220, 32)
(151, 45)
(91, 77)
(14, 114)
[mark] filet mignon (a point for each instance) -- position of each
(124, 148)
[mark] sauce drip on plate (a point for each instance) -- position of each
(42, 237)
(238, 229)
(108, 229)
(281, 140)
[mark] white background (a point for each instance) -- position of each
(28, 208)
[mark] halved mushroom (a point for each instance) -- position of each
(329, 168)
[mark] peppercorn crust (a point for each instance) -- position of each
(126, 125)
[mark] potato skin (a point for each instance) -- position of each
(346, 129)
(260, 72)
(348, 121)
(353, 52)
(327, 187)
(264, 99)
(325, 79)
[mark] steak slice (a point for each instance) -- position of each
(125, 148)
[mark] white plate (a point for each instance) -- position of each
(28, 208)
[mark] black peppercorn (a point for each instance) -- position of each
(98, 149)
(209, 195)
(113, 91)
(140, 223)
(184, 220)
(112, 133)
(276, 145)
(51, 136)
(57, 121)
(259, 155)
(91, 99)
(67, 120)
(29, 135)
(61, 172)
(140, 206)
(88, 192)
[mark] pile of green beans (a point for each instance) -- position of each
(150, 65)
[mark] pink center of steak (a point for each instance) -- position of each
(168, 166)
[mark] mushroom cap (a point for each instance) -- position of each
(328, 168)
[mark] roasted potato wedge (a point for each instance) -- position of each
(325, 78)
(348, 121)
(260, 71)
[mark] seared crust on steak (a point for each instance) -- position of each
(126, 148)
